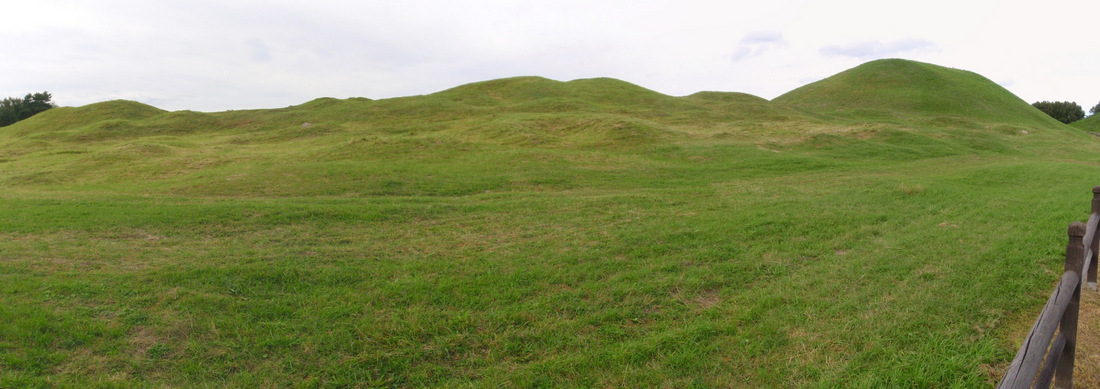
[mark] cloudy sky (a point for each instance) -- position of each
(220, 55)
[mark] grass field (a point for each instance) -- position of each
(534, 233)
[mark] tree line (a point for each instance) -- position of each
(1064, 111)
(14, 109)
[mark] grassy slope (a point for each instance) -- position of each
(901, 90)
(1091, 123)
(530, 232)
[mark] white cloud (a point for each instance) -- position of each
(260, 53)
(878, 49)
(758, 43)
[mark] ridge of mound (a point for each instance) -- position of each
(728, 97)
(897, 88)
(120, 109)
(328, 102)
(504, 90)
(539, 94)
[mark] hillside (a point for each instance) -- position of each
(1091, 123)
(528, 232)
(884, 110)
(902, 90)
(187, 151)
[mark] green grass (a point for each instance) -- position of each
(533, 233)
(1091, 123)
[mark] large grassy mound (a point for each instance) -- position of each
(888, 227)
(896, 89)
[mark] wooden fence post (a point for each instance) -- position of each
(1095, 241)
(1075, 252)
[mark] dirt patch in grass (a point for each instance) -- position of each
(1086, 364)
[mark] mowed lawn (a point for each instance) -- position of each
(692, 270)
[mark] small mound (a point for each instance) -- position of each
(319, 103)
(566, 130)
(139, 150)
(728, 97)
(734, 107)
(115, 109)
(537, 94)
(168, 123)
(615, 91)
(505, 91)
(67, 118)
(120, 109)
(126, 155)
(180, 122)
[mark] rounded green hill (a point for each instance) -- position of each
(896, 88)
(540, 94)
(65, 118)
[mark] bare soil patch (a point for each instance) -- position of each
(1086, 364)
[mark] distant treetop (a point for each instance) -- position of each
(1064, 111)
(14, 109)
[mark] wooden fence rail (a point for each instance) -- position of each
(1044, 357)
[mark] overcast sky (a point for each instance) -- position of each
(220, 55)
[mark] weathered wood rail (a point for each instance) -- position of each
(1040, 360)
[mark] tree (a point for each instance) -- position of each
(1095, 110)
(1064, 111)
(14, 109)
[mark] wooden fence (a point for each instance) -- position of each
(1040, 361)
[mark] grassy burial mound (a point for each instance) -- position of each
(889, 226)
(903, 107)
(462, 140)
(902, 90)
